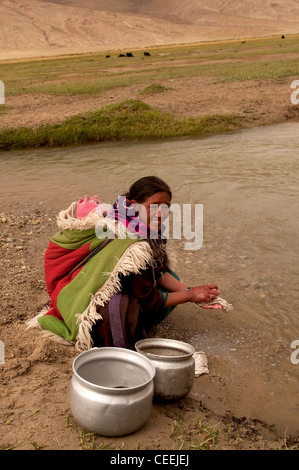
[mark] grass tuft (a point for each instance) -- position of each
(154, 88)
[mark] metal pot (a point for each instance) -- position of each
(111, 390)
(174, 364)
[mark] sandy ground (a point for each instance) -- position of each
(35, 377)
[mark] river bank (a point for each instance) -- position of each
(191, 90)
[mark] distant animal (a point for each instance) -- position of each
(129, 54)
(121, 55)
(107, 56)
(146, 53)
(283, 36)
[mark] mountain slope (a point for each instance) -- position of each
(192, 11)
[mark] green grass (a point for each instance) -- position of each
(4, 108)
(188, 432)
(93, 74)
(153, 89)
(129, 120)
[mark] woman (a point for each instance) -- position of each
(111, 290)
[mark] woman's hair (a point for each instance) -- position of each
(146, 187)
(141, 190)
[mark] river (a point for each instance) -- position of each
(247, 182)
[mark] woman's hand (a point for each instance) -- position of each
(205, 293)
(200, 294)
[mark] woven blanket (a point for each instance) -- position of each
(75, 296)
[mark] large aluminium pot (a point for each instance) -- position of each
(174, 364)
(111, 390)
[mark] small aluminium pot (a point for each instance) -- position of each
(111, 390)
(174, 364)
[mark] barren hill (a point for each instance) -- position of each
(42, 28)
(196, 11)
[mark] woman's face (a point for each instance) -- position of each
(155, 210)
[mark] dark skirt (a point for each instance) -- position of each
(130, 315)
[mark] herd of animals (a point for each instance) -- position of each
(128, 54)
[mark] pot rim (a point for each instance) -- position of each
(148, 366)
(162, 342)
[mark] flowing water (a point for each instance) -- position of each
(247, 182)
